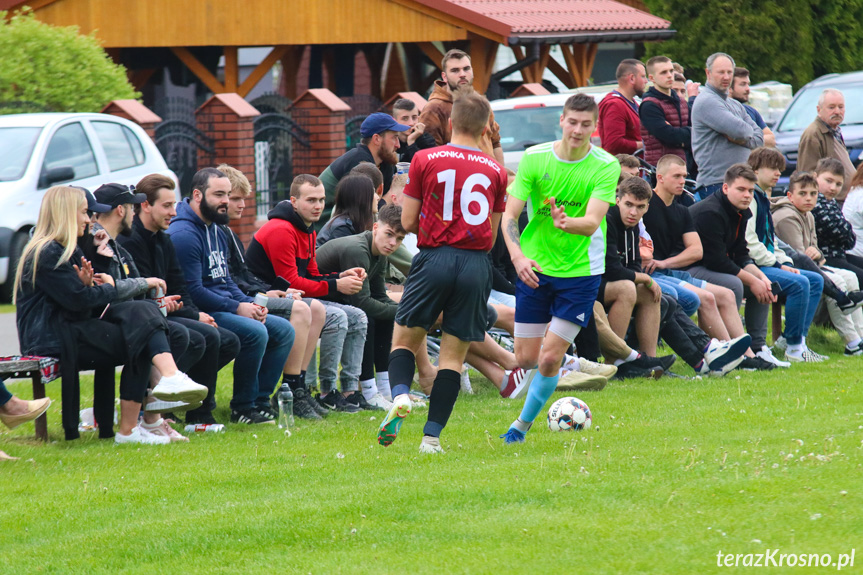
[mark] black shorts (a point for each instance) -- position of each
(453, 281)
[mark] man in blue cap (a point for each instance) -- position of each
(379, 145)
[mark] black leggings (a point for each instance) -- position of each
(376, 353)
(103, 347)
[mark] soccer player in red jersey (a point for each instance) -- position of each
(453, 202)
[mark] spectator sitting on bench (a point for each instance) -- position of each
(307, 316)
(154, 255)
(57, 294)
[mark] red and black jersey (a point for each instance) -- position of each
(459, 188)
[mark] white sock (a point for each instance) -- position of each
(505, 378)
(855, 343)
(570, 362)
(369, 388)
(382, 380)
(633, 355)
(520, 425)
(796, 349)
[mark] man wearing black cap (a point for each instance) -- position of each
(110, 257)
(379, 145)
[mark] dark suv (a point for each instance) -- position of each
(801, 112)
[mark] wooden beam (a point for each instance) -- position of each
(540, 66)
(328, 61)
(139, 78)
(291, 61)
(483, 52)
(526, 72)
(572, 64)
(276, 54)
(199, 70)
(433, 52)
(232, 69)
(562, 74)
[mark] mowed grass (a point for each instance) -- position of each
(671, 473)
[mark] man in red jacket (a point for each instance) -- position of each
(619, 126)
(285, 247)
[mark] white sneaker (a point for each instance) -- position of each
(723, 356)
(153, 405)
(379, 400)
(142, 436)
(524, 384)
(593, 368)
(516, 380)
(179, 387)
(162, 429)
(780, 344)
(768, 356)
(805, 356)
(431, 445)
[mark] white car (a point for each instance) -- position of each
(42, 150)
(532, 120)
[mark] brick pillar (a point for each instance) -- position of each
(229, 120)
(413, 96)
(529, 89)
(324, 115)
(134, 111)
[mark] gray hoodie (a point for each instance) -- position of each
(715, 119)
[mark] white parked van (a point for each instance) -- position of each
(38, 151)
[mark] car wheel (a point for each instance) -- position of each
(16, 248)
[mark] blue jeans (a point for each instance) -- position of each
(264, 348)
(701, 192)
(343, 338)
(5, 396)
(688, 300)
(802, 292)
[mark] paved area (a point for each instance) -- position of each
(8, 334)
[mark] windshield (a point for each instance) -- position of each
(528, 126)
(802, 110)
(16, 145)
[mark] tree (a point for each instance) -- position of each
(49, 68)
(774, 40)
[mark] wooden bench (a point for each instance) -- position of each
(29, 368)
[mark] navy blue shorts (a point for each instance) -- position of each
(454, 281)
(565, 298)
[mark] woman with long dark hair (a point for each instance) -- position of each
(56, 303)
(354, 211)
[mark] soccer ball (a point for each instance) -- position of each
(568, 413)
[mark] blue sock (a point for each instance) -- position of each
(540, 390)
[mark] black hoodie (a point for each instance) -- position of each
(622, 258)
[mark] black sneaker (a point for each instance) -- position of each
(313, 403)
(858, 350)
(630, 370)
(755, 364)
(357, 398)
(267, 411)
(851, 302)
(647, 362)
(250, 417)
(303, 405)
(335, 401)
(200, 419)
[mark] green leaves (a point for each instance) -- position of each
(792, 41)
(51, 69)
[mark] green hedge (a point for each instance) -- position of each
(792, 41)
(51, 69)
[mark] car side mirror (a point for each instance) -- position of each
(54, 175)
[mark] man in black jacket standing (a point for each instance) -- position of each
(154, 255)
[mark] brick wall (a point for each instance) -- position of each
(229, 120)
(325, 116)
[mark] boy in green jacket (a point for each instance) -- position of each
(369, 250)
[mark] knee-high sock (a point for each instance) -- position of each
(443, 396)
(540, 390)
(401, 370)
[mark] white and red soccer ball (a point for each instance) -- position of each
(569, 413)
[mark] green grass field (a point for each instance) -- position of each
(671, 473)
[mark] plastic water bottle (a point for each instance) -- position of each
(286, 407)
